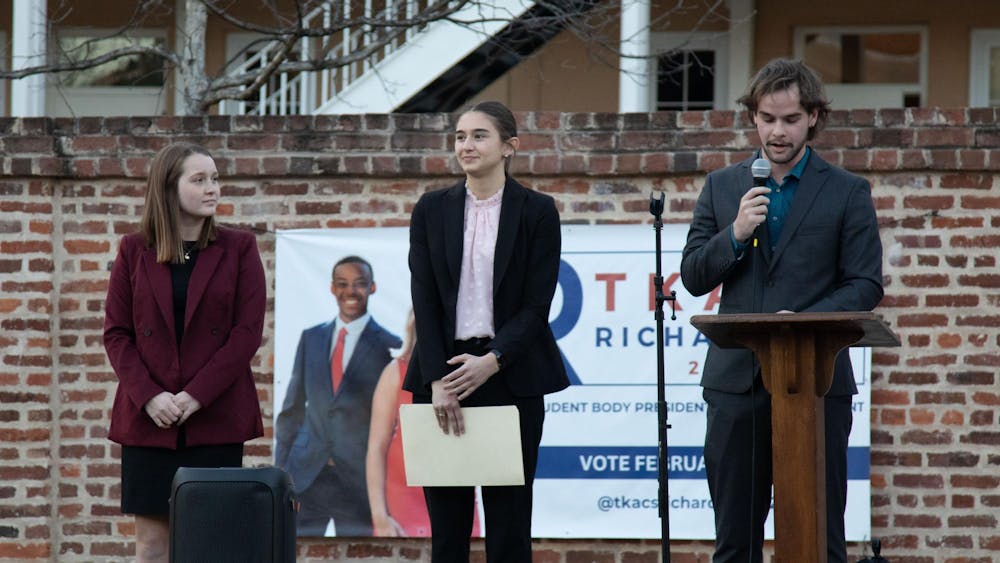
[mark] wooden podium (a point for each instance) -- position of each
(796, 353)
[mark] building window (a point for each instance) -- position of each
(685, 80)
(984, 71)
(133, 70)
(130, 85)
(867, 67)
(691, 71)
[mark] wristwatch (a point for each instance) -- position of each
(499, 356)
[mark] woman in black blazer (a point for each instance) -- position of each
(484, 263)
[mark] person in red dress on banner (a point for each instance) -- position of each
(397, 509)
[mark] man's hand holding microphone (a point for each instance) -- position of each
(753, 204)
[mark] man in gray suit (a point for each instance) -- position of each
(808, 241)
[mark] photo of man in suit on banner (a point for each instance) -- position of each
(321, 430)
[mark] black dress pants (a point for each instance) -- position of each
(507, 509)
(738, 466)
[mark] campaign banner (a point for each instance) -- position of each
(597, 469)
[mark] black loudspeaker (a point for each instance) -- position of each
(232, 515)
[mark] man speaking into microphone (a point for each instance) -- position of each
(783, 231)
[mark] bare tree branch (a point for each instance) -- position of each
(275, 14)
(68, 66)
(218, 91)
(291, 37)
(226, 16)
(436, 11)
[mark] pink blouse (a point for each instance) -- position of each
(474, 311)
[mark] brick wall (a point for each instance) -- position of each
(70, 188)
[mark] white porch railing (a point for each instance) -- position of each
(411, 58)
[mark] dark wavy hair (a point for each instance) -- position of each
(352, 259)
(782, 74)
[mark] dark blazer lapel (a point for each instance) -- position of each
(362, 350)
(764, 241)
(813, 178)
(510, 221)
(325, 343)
(158, 276)
(319, 365)
(361, 359)
(208, 259)
(454, 229)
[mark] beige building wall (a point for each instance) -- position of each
(570, 74)
(948, 26)
(561, 76)
(567, 75)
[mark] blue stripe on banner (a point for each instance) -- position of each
(859, 464)
(683, 462)
(592, 462)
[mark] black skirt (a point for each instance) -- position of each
(148, 473)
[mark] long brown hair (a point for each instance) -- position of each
(161, 214)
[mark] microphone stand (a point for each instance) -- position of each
(656, 208)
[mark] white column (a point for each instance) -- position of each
(742, 18)
(634, 75)
(180, 40)
(27, 95)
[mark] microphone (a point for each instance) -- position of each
(761, 171)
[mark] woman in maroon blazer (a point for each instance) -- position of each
(184, 318)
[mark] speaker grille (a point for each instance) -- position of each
(223, 522)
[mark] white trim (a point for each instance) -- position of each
(742, 19)
(238, 40)
(177, 75)
(981, 41)
(717, 42)
(921, 86)
(81, 101)
(27, 95)
(634, 42)
(3, 66)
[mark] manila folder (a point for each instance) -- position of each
(489, 453)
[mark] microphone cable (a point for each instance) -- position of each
(760, 171)
(753, 406)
